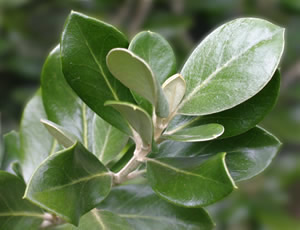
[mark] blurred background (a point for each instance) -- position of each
(29, 29)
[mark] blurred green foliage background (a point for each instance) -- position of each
(29, 29)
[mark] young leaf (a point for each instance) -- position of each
(108, 141)
(239, 119)
(157, 52)
(15, 212)
(84, 45)
(62, 105)
(138, 118)
(136, 74)
(74, 177)
(197, 133)
(62, 136)
(192, 181)
(247, 154)
(97, 220)
(145, 210)
(12, 152)
(174, 89)
(36, 142)
(231, 65)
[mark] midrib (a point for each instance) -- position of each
(213, 74)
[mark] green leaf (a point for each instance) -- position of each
(198, 133)
(97, 220)
(69, 183)
(108, 141)
(62, 105)
(157, 52)
(62, 136)
(12, 152)
(15, 212)
(239, 119)
(137, 75)
(247, 154)
(190, 181)
(174, 89)
(231, 65)
(84, 45)
(143, 209)
(36, 143)
(138, 118)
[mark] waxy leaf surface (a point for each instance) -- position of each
(84, 45)
(198, 133)
(157, 52)
(136, 74)
(108, 141)
(62, 105)
(247, 154)
(97, 220)
(62, 136)
(36, 143)
(15, 212)
(190, 181)
(138, 118)
(143, 209)
(239, 119)
(231, 65)
(69, 183)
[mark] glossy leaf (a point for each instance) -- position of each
(231, 65)
(108, 141)
(190, 181)
(97, 220)
(84, 45)
(247, 154)
(62, 105)
(62, 136)
(15, 212)
(69, 183)
(138, 118)
(174, 89)
(157, 52)
(143, 209)
(12, 152)
(197, 133)
(238, 119)
(36, 143)
(136, 74)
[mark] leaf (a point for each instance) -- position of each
(138, 118)
(136, 74)
(84, 45)
(157, 52)
(59, 133)
(97, 220)
(36, 143)
(62, 105)
(15, 212)
(231, 65)
(247, 155)
(143, 209)
(12, 152)
(198, 133)
(239, 119)
(190, 181)
(74, 177)
(108, 141)
(174, 89)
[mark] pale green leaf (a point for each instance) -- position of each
(231, 65)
